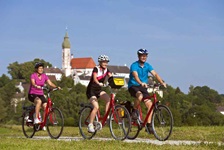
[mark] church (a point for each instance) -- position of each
(80, 69)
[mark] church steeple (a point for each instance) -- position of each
(66, 55)
(66, 42)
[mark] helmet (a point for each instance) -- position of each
(142, 51)
(103, 58)
(38, 64)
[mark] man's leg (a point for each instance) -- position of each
(138, 99)
(148, 104)
(135, 112)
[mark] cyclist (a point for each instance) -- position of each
(36, 94)
(94, 88)
(137, 85)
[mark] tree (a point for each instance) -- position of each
(6, 94)
(4, 80)
(3, 111)
(14, 70)
(66, 82)
(24, 70)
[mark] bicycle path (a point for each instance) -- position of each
(137, 140)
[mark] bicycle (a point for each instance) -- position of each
(119, 117)
(53, 119)
(162, 118)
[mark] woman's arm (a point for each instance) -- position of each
(34, 84)
(95, 78)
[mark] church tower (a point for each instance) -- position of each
(66, 55)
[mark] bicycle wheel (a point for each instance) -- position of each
(162, 122)
(119, 123)
(134, 130)
(55, 123)
(84, 121)
(27, 124)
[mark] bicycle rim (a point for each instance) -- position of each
(119, 123)
(83, 123)
(55, 123)
(162, 122)
(27, 127)
(134, 130)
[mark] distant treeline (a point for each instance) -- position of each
(198, 107)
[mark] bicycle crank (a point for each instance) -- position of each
(98, 125)
(37, 127)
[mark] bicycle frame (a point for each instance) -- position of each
(154, 102)
(154, 97)
(47, 110)
(111, 106)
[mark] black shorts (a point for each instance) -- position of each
(32, 97)
(134, 89)
(93, 92)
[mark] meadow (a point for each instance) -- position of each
(11, 137)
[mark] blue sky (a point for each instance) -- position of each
(185, 39)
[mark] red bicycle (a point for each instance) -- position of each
(162, 119)
(119, 117)
(53, 119)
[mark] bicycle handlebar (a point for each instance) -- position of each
(156, 86)
(49, 89)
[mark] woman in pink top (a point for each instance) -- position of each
(36, 93)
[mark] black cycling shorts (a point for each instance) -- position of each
(134, 89)
(32, 97)
(93, 92)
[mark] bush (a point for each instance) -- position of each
(69, 121)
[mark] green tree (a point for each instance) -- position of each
(24, 70)
(4, 80)
(14, 70)
(6, 94)
(3, 112)
(66, 82)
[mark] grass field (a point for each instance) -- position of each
(11, 137)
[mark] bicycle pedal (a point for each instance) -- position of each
(98, 125)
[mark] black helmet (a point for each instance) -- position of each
(38, 64)
(142, 51)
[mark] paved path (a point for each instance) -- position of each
(137, 140)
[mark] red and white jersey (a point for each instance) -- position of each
(101, 75)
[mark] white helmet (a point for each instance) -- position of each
(103, 58)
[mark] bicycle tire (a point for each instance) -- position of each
(55, 123)
(162, 122)
(134, 130)
(84, 121)
(119, 123)
(28, 127)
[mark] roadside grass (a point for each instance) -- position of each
(11, 137)
(49, 144)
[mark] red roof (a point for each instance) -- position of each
(82, 63)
